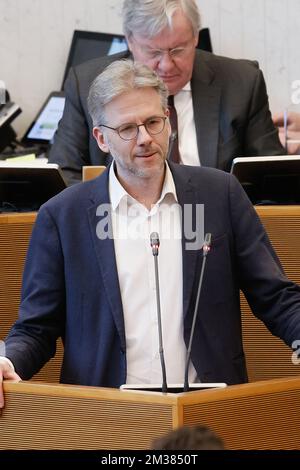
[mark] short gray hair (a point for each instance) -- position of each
(119, 77)
(150, 17)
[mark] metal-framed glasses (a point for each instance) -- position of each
(178, 52)
(175, 53)
(153, 125)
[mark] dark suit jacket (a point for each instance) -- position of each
(71, 287)
(231, 114)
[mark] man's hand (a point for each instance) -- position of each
(6, 373)
(291, 133)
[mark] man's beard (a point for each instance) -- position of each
(132, 169)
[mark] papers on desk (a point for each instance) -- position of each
(37, 163)
(25, 159)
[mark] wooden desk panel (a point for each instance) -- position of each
(15, 232)
(267, 356)
(40, 416)
(259, 415)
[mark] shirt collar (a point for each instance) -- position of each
(187, 87)
(182, 94)
(118, 193)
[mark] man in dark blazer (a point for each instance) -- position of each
(77, 286)
(222, 104)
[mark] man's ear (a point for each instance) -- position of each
(129, 43)
(100, 138)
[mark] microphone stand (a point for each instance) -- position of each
(154, 240)
(205, 251)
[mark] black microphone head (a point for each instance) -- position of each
(174, 135)
(206, 244)
(207, 238)
(154, 242)
(154, 238)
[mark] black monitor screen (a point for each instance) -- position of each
(97, 48)
(269, 180)
(25, 187)
(88, 45)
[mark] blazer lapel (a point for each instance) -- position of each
(99, 218)
(206, 104)
(186, 198)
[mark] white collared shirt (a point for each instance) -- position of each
(188, 147)
(132, 225)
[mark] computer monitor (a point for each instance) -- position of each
(41, 131)
(269, 180)
(204, 41)
(88, 45)
(25, 187)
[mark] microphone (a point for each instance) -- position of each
(174, 136)
(154, 241)
(205, 251)
(173, 144)
(176, 388)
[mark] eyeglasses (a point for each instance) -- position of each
(175, 53)
(153, 125)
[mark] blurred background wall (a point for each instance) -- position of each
(35, 37)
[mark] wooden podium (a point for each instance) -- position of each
(261, 415)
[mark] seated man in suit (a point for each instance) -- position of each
(221, 103)
(89, 274)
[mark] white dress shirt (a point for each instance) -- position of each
(132, 225)
(188, 147)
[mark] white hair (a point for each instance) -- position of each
(150, 17)
(119, 77)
